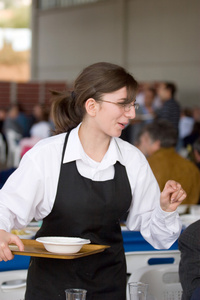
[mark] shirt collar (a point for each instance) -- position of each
(74, 151)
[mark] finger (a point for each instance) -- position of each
(169, 191)
(173, 184)
(178, 196)
(16, 240)
(177, 203)
(174, 196)
(5, 252)
(182, 197)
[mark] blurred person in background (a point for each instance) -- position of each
(170, 109)
(3, 142)
(14, 132)
(145, 114)
(196, 155)
(39, 130)
(185, 128)
(11, 120)
(23, 120)
(37, 113)
(195, 133)
(157, 141)
(186, 123)
(189, 140)
(196, 151)
(146, 110)
(196, 113)
(2, 119)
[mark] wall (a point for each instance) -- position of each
(70, 39)
(166, 44)
(28, 94)
(155, 40)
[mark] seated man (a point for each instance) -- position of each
(189, 267)
(157, 141)
(196, 151)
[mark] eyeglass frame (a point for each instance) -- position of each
(125, 106)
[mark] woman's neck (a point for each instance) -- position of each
(93, 142)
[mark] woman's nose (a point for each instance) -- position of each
(131, 113)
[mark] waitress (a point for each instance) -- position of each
(81, 182)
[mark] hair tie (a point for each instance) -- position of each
(73, 95)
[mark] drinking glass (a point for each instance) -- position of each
(75, 294)
(138, 290)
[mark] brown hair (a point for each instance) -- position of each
(68, 109)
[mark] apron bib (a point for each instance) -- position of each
(91, 210)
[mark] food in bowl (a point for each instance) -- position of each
(63, 245)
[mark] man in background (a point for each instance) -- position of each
(157, 141)
(170, 109)
(196, 151)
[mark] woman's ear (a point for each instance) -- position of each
(91, 107)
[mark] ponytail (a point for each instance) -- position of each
(64, 114)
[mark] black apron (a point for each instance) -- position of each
(91, 210)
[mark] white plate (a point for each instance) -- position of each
(195, 210)
(182, 209)
(64, 245)
(188, 219)
(28, 234)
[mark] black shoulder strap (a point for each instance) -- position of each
(65, 144)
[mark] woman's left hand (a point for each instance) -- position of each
(172, 196)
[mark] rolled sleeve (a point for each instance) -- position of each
(161, 229)
(23, 196)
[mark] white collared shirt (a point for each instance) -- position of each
(31, 190)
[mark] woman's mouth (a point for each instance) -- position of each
(122, 125)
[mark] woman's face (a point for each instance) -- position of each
(110, 118)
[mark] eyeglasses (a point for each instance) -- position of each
(127, 107)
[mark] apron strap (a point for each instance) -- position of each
(65, 144)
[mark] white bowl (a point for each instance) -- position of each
(62, 245)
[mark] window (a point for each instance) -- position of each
(49, 4)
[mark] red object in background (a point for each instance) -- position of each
(25, 149)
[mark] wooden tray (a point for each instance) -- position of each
(34, 248)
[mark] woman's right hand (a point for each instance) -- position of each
(7, 238)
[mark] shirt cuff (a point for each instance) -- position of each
(170, 219)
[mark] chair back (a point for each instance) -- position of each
(2, 150)
(14, 149)
(163, 280)
(13, 285)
